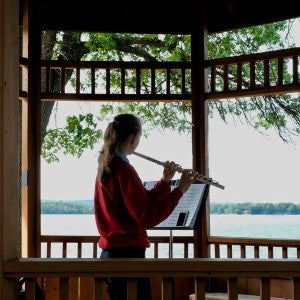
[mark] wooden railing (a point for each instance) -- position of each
(86, 246)
(69, 268)
(136, 81)
(167, 271)
(254, 74)
(257, 74)
(220, 247)
(230, 247)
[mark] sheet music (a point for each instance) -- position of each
(187, 210)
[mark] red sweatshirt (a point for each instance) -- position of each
(124, 209)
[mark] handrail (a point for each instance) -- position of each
(159, 267)
(167, 270)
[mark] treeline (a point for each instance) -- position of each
(67, 207)
(87, 207)
(283, 208)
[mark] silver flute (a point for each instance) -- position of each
(199, 177)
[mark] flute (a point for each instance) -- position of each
(199, 177)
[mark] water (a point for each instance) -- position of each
(255, 226)
(258, 226)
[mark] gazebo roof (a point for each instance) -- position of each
(161, 16)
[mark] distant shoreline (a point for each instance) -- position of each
(244, 208)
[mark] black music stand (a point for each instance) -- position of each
(187, 214)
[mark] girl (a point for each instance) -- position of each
(124, 209)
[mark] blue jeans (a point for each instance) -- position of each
(117, 287)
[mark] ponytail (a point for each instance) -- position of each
(116, 132)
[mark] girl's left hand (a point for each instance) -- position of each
(169, 170)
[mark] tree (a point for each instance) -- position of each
(278, 112)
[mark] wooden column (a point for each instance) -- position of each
(24, 135)
(199, 107)
(9, 142)
(31, 121)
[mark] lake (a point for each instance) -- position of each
(259, 226)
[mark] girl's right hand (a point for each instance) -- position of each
(188, 176)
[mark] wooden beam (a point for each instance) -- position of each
(9, 141)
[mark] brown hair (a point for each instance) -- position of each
(115, 134)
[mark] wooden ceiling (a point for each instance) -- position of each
(161, 16)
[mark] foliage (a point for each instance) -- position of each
(281, 113)
(86, 207)
(67, 207)
(283, 208)
(80, 133)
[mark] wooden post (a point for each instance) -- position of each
(199, 108)
(9, 142)
(32, 203)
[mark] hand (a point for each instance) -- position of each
(188, 176)
(169, 170)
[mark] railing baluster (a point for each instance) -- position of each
(229, 251)
(99, 288)
(30, 288)
(280, 71)
(64, 288)
(171, 244)
(239, 76)
(213, 79)
(47, 79)
(79, 245)
(131, 289)
(264, 288)
(48, 249)
(123, 81)
(185, 250)
(225, 78)
(167, 288)
(107, 80)
(138, 81)
(155, 250)
(93, 81)
(243, 251)
(266, 73)
(77, 80)
(295, 70)
(200, 285)
(183, 87)
(256, 251)
(64, 250)
(217, 251)
(232, 288)
(153, 83)
(95, 250)
(168, 81)
(296, 288)
(270, 252)
(252, 74)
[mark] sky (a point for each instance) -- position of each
(253, 167)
